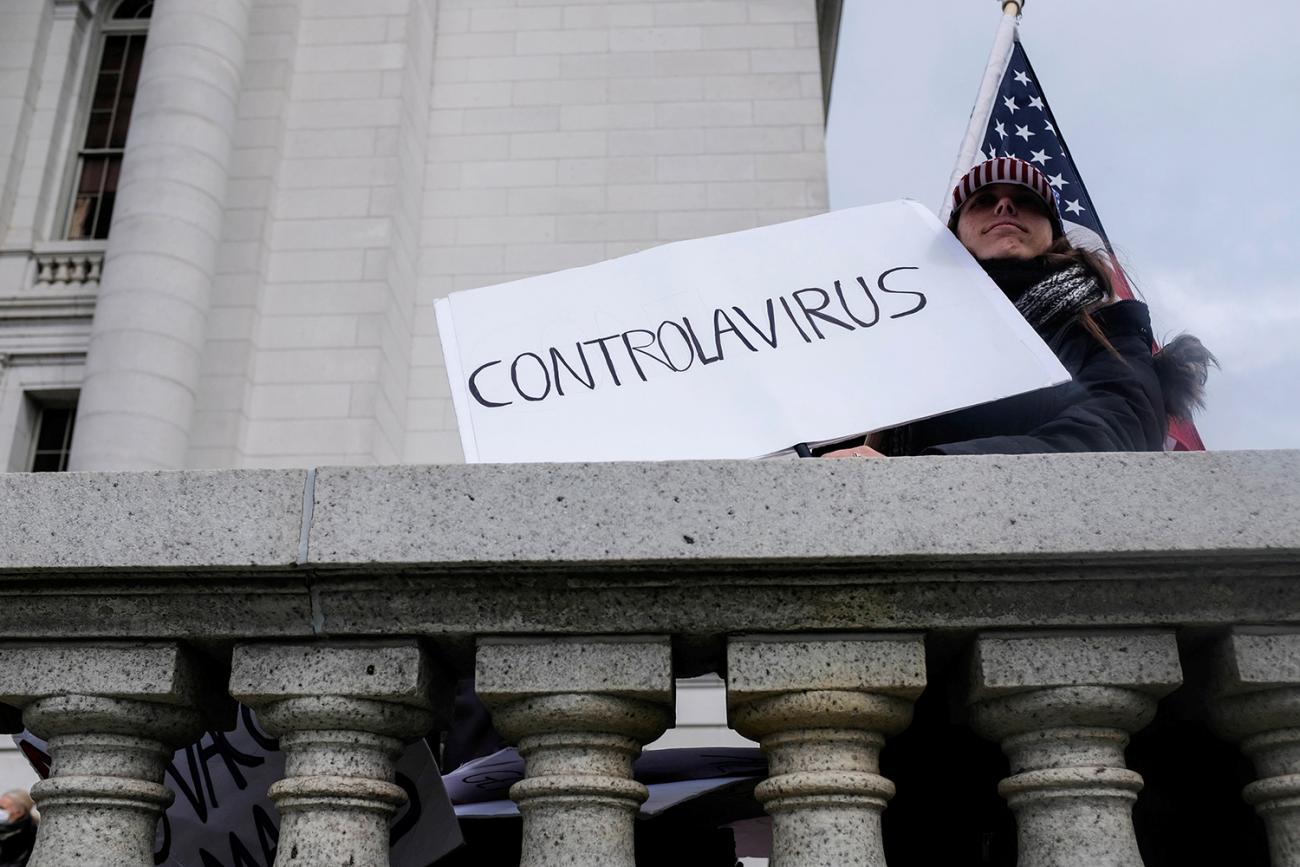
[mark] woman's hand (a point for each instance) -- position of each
(855, 452)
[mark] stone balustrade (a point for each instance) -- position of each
(1054, 604)
(68, 266)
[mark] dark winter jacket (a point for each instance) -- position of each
(1115, 401)
(16, 841)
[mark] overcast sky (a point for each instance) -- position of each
(1184, 119)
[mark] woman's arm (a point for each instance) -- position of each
(1114, 403)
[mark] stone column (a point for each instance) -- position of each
(1254, 698)
(112, 715)
(1063, 707)
(340, 711)
(821, 707)
(579, 710)
(142, 365)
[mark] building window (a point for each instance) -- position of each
(52, 437)
(99, 161)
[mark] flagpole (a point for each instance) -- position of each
(1003, 43)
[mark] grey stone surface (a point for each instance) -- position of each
(1071, 793)
(101, 805)
(149, 521)
(579, 711)
(578, 800)
(212, 608)
(397, 672)
(112, 716)
(1012, 662)
(706, 548)
(1033, 506)
(1210, 504)
(157, 672)
(331, 820)
(720, 598)
(628, 667)
(1062, 707)
(1252, 692)
(1075, 817)
(820, 706)
(1250, 660)
(763, 665)
(341, 711)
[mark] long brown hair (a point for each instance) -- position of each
(1063, 253)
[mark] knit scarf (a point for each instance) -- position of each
(1046, 298)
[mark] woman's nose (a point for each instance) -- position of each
(1005, 206)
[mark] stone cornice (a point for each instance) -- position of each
(46, 307)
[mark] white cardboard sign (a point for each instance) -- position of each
(738, 345)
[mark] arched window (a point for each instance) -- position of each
(99, 160)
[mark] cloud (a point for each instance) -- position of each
(1253, 401)
(1249, 327)
(1179, 135)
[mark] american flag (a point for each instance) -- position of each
(1021, 124)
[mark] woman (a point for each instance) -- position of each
(1120, 395)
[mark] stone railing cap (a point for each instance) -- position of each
(1248, 660)
(399, 672)
(150, 520)
(1144, 661)
(159, 672)
(629, 667)
(1170, 510)
(1029, 506)
(759, 665)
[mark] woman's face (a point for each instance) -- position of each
(1004, 221)
(15, 810)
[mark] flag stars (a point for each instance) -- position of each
(1049, 127)
(1058, 181)
(1023, 132)
(1022, 78)
(1039, 157)
(1074, 207)
(1035, 102)
(1000, 130)
(1010, 103)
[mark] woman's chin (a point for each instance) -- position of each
(1006, 251)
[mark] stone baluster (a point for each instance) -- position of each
(340, 711)
(1254, 698)
(821, 707)
(579, 710)
(112, 715)
(1063, 706)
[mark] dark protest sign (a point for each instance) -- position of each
(738, 345)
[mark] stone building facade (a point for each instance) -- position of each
(303, 178)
